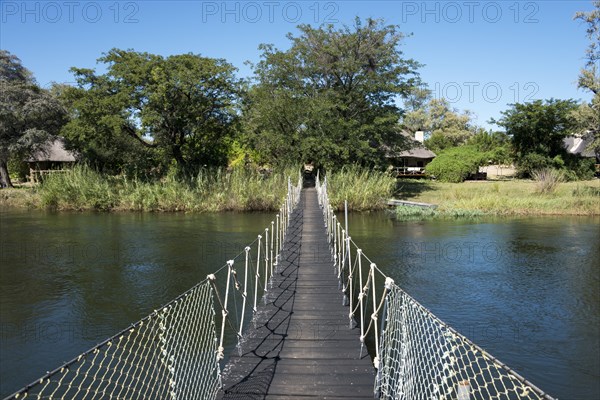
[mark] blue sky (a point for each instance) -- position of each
(481, 55)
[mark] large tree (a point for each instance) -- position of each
(447, 126)
(588, 115)
(538, 129)
(29, 115)
(331, 97)
(180, 108)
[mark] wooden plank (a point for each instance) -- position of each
(300, 344)
(394, 202)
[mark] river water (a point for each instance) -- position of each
(527, 289)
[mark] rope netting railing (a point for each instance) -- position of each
(176, 352)
(416, 355)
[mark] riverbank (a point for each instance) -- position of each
(85, 189)
(211, 191)
(498, 198)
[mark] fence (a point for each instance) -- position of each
(416, 355)
(176, 351)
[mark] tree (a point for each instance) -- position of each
(331, 97)
(455, 164)
(588, 115)
(29, 115)
(181, 108)
(447, 127)
(537, 130)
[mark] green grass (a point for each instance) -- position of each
(363, 188)
(248, 190)
(516, 197)
(212, 190)
(407, 213)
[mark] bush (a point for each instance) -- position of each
(456, 164)
(580, 168)
(532, 162)
(547, 179)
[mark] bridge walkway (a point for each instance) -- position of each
(300, 344)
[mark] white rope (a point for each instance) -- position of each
(174, 352)
(417, 356)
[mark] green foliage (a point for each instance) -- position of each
(29, 114)
(409, 213)
(489, 141)
(578, 168)
(447, 127)
(330, 98)
(587, 116)
(80, 188)
(456, 164)
(363, 188)
(147, 107)
(539, 128)
(532, 162)
(572, 167)
(240, 189)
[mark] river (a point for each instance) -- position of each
(525, 289)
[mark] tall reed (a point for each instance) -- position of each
(365, 189)
(211, 190)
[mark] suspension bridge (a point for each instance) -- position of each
(301, 312)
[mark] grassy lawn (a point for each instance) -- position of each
(513, 197)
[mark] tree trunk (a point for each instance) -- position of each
(181, 163)
(4, 176)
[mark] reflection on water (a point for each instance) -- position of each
(70, 280)
(527, 290)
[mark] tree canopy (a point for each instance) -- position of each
(538, 129)
(587, 116)
(29, 115)
(181, 108)
(331, 97)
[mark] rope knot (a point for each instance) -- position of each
(388, 283)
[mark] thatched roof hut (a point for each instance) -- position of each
(53, 151)
(52, 157)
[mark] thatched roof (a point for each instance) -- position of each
(53, 151)
(417, 151)
(579, 145)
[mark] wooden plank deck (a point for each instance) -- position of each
(300, 344)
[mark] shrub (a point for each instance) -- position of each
(547, 179)
(456, 164)
(532, 162)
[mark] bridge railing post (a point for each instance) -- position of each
(257, 276)
(271, 247)
(277, 243)
(224, 311)
(245, 293)
(361, 301)
(265, 288)
(374, 315)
